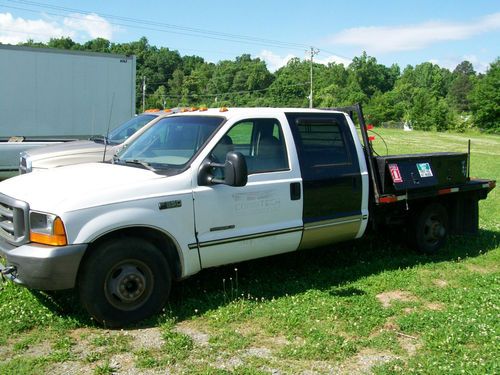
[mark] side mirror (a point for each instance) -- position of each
(235, 171)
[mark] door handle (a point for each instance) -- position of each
(295, 191)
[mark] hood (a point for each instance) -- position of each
(65, 148)
(80, 186)
(69, 153)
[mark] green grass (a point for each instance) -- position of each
(320, 310)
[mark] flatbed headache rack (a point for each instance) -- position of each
(481, 185)
(358, 110)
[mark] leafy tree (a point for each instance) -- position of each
(194, 88)
(385, 107)
(190, 63)
(429, 76)
(175, 88)
(98, 45)
(461, 86)
(157, 99)
(485, 99)
(31, 43)
(465, 68)
(372, 76)
(62, 43)
(337, 95)
(291, 85)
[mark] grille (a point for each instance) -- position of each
(13, 220)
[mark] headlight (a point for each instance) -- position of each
(25, 165)
(47, 229)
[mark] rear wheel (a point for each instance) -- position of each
(430, 229)
(124, 281)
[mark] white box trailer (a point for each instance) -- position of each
(52, 95)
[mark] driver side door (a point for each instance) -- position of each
(264, 217)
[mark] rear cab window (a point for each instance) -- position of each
(323, 142)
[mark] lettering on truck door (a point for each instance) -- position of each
(331, 178)
(262, 218)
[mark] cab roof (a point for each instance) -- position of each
(230, 112)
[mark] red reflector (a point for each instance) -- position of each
(371, 138)
(369, 127)
(388, 199)
(448, 191)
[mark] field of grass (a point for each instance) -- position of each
(371, 306)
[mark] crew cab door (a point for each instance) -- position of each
(265, 216)
(332, 179)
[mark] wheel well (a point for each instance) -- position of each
(162, 242)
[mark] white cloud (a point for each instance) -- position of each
(16, 30)
(452, 62)
(413, 37)
(274, 61)
(91, 24)
(333, 59)
(78, 27)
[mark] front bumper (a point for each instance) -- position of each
(41, 267)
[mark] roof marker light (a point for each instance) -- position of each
(223, 109)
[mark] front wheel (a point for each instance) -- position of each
(124, 281)
(430, 229)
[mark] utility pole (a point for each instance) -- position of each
(143, 93)
(313, 51)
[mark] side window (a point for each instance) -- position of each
(259, 140)
(322, 142)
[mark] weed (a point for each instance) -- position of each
(104, 369)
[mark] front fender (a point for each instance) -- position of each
(88, 225)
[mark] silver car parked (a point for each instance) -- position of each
(96, 149)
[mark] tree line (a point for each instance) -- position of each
(425, 96)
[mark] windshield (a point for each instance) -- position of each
(125, 130)
(171, 142)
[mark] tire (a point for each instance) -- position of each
(124, 281)
(430, 229)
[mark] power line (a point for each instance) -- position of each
(336, 54)
(163, 27)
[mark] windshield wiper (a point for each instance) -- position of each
(139, 163)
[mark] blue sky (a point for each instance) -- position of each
(445, 32)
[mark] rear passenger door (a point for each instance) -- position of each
(331, 175)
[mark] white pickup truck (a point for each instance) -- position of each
(211, 187)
